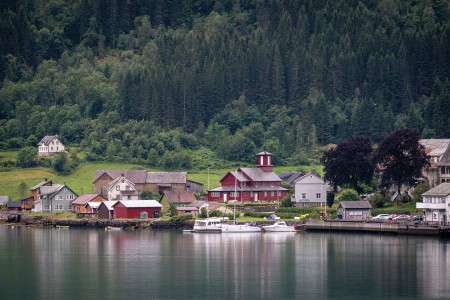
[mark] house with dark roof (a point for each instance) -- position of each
(193, 208)
(439, 152)
(154, 182)
(250, 184)
(436, 204)
(49, 145)
(106, 210)
(354, 210)
(290, 177)
(55, 198)
(13, 206)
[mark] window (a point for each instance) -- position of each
(303, 195)
(122, 180)
(129, 197)
(233, 194)
(60, 197)
(46, 207)
(69, 207)
(318, 195)
(117, 188)
(279, 193)
(127, 187)
(215, 194)
(272, 193)
(265, 194)
(58, 207)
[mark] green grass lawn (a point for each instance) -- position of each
(8, 155)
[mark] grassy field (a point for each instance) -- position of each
(10, 155)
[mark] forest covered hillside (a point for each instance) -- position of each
(155, 81)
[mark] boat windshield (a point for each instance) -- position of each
(200, 223)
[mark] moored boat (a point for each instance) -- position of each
(112, 228)
(207, 225)
(279, 226)
(239, 228)
(62, 227)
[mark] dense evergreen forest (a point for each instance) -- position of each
(156, 81)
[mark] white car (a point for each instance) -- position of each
(381, 217)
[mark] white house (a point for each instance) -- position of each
(122, 189)
(50, 145)
(436, 204)
(310, 190)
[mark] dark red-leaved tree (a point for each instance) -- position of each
(349, 163)
(400, 159)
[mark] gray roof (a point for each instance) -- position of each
(46, 190)
(445, 159)
(441, 190)
(435, 147)
(4, 199)
(166, 177)
(355, 204)
(39, 184)
(47, 139)
(109, 204)
(290, 177)
(198, 204)
(135, 176)
(13, 204)
(258, 174)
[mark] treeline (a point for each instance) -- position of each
(289, 74)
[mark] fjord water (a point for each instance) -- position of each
(49, 263)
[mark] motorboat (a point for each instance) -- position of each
(113, 228)
(279, 226)
(232, 228)
(62, 227)
(207, 225)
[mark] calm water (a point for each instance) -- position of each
(47, 263)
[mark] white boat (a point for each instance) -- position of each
(112, 228)
(207, 225)
(62, 227)
(279, 226)
(228, 228)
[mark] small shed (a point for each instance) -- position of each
(354, 210)
(14, 206)
(106, 210)
(132, 209)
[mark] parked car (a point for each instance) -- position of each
(391, 217)
(401, 218)
(416, 218)
(381, 217)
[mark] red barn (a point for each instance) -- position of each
(250, 184)
(132, 209)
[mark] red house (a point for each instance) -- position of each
(250, 184)
(132, 209)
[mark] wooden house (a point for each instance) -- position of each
(106, 210)
(132, 209)
(250, 184)
(13, 206)
(50, 145)
(79, 204)
(354, 210)
(310, 190)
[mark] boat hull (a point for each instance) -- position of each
(239, 228)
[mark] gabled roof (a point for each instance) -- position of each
(40, 184)
(180, 197)
(239, 176)
(139, 203)
(435, 147)
(198, 204)
(445, 159)
(309, 175)
(47, 190)
(109, 204)
(258, 174)
(115, 181)
(166, 177)
(46, 140)
(264, 153)
(135, 176)
(92, 204)
(83, 199)
(442, 189)
(187, 208)
(290, 177)
(355, 204)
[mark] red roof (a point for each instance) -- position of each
(83, 199)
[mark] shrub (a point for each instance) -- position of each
(27, 157)
(348, 195)
(182, 218)
(378, 200)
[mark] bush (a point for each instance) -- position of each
(348, 195)
(419, 190)
(378, 200)
(182, 218)
(27, 157)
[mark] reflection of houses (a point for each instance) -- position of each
(132, 209)
(50, 145)
(106, 210)
(354, 210)
(154, 182)
(436, 204)
(439, 152)
(250, 184)
(79, 204)
(54, 198)
(310, 190)
(122, 189)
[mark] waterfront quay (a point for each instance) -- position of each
(378, 227)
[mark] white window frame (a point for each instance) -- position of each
(215, 194)
(58, 207)
(318, 195)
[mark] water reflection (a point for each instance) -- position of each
(47, 263)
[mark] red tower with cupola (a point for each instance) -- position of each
(264, 161)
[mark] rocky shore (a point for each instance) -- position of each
(24, 219)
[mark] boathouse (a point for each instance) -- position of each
(132, 209)
(354, 210)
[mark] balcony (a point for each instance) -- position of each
(423, 205)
